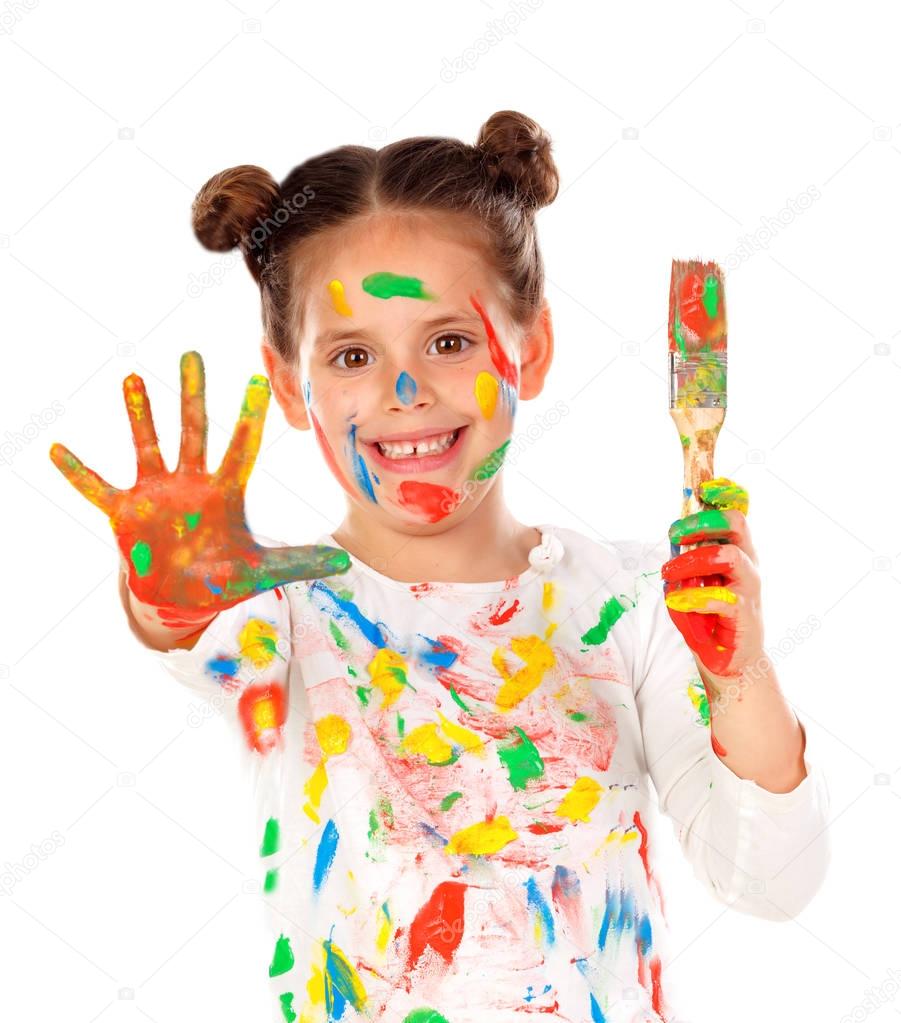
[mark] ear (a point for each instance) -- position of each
(536, 355)
(286, 386)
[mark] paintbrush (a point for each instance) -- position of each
(697, 374)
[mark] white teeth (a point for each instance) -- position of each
(431, 446)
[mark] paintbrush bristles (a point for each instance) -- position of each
(697, 335)
(697, 307)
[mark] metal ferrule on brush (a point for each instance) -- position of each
(697, 380)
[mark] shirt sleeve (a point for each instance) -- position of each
(240, 664)
(764, 853)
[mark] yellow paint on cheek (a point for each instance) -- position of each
(483, 838)
(538, 658)
(336, 290)
(486, 393)
(581, 799)
(697, 598)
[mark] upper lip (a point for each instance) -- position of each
(413, 435)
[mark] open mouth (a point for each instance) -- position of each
(425, 455)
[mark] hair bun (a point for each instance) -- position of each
(518, 161)
(230, 203)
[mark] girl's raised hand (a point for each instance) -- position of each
(182, 534)
(713, 591)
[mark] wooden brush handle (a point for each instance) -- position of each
(698, 429)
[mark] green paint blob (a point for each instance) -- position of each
(388, 285)
(287, 1005)
(338, 636)
(351, 670)
(363, 695)
(577, 715)
(522, 760)
(282, 957)
(458, 700)
(191, 520)
(400, 725)
(697, 693)
(490, 464)
(450, 799)
(710, 298)
(271, 881)
(141, 557)
(424, 1016)
(373, 824)
(610, 614)
(271, 837)
(708, 519)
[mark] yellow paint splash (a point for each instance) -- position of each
(384, 931)
(538, 657)
(263, 714)
(336, 290)
(697, 598)
(333, 734)
(486, 393)
(469, 740)
(257, 642)
(388, 672)
(481, 839)
(581, 799)
(426, 741)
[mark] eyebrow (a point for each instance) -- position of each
(328, 337)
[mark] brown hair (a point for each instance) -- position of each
(499, 183)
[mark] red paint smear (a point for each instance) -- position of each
(717, 746)
(499, 617)
(704, 633)
(657, 993)
(278, 593)
(430, 499)
(643, 848)
(502, 364)
(544, 829)
(438, 924)
(262, 741)
(330, 457)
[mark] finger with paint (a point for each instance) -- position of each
(182, 534)
(710, 579)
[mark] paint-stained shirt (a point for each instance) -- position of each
(458, 788)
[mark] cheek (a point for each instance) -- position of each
(493, 394)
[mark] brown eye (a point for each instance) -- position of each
(350, 358)
(451, 349)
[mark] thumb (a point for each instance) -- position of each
(279, 565)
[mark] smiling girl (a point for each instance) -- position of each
(454, 726)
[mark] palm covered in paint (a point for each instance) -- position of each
(183, 534)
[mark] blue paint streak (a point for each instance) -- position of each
(434, 832)
(306, 390)
(686, 491)
(644, 934)
(213, 589)
(538, 902)
(596, 1015)
(440, 656)
(405, 388)
(222, 666)
(360, 470)
(325, 854)
(627, 913)
(566, 885)
(611, 909)
(348, 610)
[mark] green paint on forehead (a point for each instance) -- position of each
(388, 285)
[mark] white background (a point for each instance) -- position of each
(677, 128)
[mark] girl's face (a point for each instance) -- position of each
(409, 371)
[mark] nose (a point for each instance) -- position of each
(407, 389)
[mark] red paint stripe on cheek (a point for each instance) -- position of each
(502, 363)
(330, 457)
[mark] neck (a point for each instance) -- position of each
(487, 545)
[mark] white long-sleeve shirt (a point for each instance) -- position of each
(451, 783)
